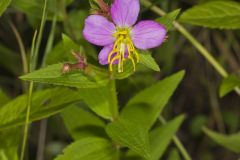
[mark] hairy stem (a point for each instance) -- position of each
(177, 142)
(113, 99)
(113, 106)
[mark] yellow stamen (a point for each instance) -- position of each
(111, 63)
(122, 46)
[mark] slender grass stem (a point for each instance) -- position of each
(43, 123)
(67, 25)
(202, 50)
(32, 51)
(50, 40)
(30, 90)
(25, 134)
(21, 47)
(39, 38)
(177, 142)
(32, 66)
(188, 35)
(113, 99)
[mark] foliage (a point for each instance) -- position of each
(231, 141)
(215, 14)
(229, 84)
(80, 110)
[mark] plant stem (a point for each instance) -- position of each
(39, 38)
(216, 109)
(25, 135)
(22, 51)
(50, 40)
(33, 64)
(202, 50)
(113, 102)
(21, 47)
(113, 106)
(42, 139)
(194, 42)
(177, 142)
(67, 25)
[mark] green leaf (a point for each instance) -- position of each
(196, 124)
(82, 123)
(57, 54)
(76, 19)
(161, 137)
(62, 51)
(92, 77)
(147, 105)
(131, 135)
(10, 137)
(34, 8)
(147, 60)
(89, 149)
(215, 14)
(168, 19)
(97, 100)
(231, 120)
(9, 153)
(51, 101)
(166, 54)
(231, 142)
(3, 5)
(3, 98)
(174, 155)
(44, 104)
(85, 48)
(229, 84)
(93, 4)
(128, 70)
(69, 44)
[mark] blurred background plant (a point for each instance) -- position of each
(33, 36)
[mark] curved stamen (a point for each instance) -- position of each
(112, 61)
(133, 62)
(111, 54)
(122, 45)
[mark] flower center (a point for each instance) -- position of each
(123, 49)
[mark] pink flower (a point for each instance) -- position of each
(121, 37)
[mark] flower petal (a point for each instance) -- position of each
(103, 55)
(98, 30)
(125, 12)
(148, 34)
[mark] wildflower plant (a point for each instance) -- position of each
(120, 37)
(113, 112)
